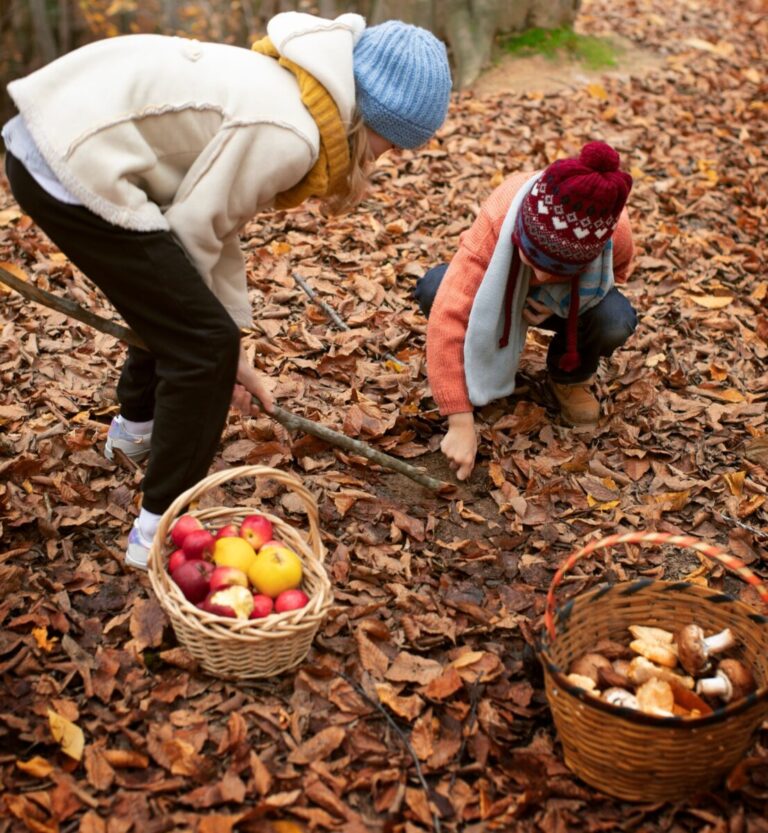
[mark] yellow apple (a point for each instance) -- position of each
(275, 568)
(233, 552)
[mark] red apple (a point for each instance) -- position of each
(290, 600)
(234, 601)
(193, 579)
(256, 530)
(183, 526)
(262, 606)
(198, 544)
(227, 576)
(176, 559)
(228, 531)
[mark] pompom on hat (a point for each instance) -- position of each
(402, 82)
(567, 218)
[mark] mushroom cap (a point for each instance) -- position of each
(612, 678)
(656, 697)
(691, 650)
(580, 681)
(741, 677)
(618, 696)
(651, 634)
(656, 652)
(589, 665)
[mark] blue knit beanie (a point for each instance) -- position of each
(402, 82)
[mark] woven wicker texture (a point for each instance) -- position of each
(623, 752)
(233, 648)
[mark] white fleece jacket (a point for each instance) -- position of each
(162, 133)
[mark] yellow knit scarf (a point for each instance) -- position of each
(329, 171)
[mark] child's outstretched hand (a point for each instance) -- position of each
(250, 383)
(535, 313)
(460, 444)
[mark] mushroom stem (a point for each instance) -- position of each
(717, 686)
(719, 641)
(732, 681)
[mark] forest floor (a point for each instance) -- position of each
(438, 603)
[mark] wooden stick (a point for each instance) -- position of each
(70, 308)
(333, 315)
(290, 420)
(315, 298)
(293, 422)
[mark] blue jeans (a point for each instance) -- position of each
(602, 329)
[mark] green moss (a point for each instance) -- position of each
(595, 53)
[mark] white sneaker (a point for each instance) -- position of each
(137, 553)
(134, 446)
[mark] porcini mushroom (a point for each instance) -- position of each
(589, 665)
(641, 670)
(694, 649)
(620, 697)
(732, 681)
(656, 697)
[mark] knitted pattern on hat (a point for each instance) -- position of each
(402, 82)
(573, 210)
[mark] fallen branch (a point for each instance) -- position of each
(294, 422)
(291, 421)
(333, 315)
(70, 308)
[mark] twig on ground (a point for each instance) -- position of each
(295, 422)
(332, 314)
(70, 308)
(315, 298)
(403, 738)
(753, 529)
(286, 418)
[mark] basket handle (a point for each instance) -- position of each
(705, 548)
(290, 481)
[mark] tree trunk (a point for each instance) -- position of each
(470, 30)
(44, 42)
(469, 27)
(65, 27)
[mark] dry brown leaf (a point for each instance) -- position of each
(319, 747)
(68, 735)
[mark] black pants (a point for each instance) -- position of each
(184, 380)
(602, 328)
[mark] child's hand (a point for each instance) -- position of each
(535, 312)
(460, 444)
(250, 383)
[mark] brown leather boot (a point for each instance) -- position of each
(578, 405)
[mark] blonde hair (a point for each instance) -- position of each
(361, 161)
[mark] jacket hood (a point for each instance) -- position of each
(322, 47)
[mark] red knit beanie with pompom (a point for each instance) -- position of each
(571, 212)
(568, 216)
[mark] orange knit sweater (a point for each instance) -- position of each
(449, 316)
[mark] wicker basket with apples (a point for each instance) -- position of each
(245, 591)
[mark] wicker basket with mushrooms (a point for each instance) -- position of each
(664, 674)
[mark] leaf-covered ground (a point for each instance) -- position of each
(436, 601)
